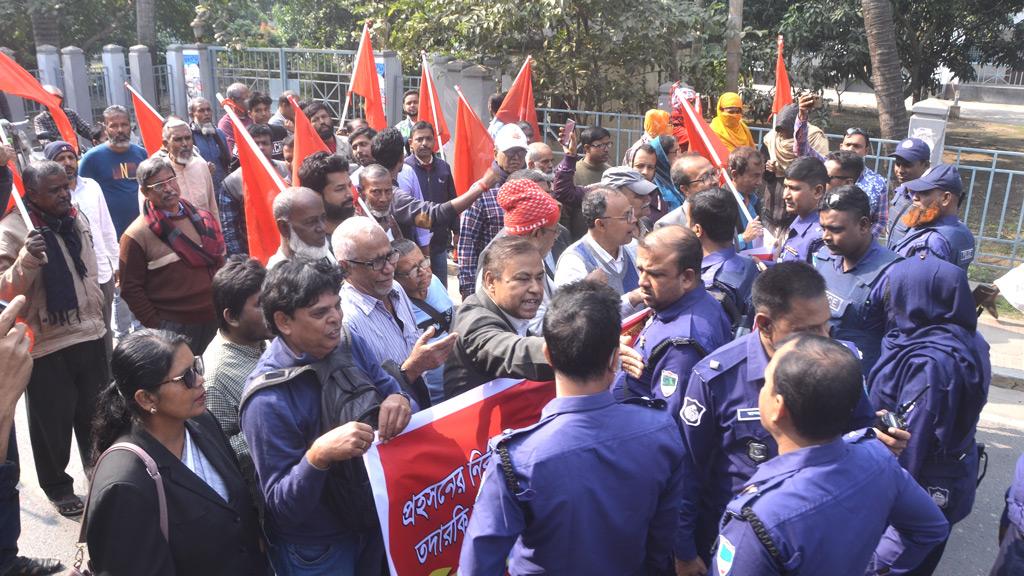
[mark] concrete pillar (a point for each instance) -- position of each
(48, 64)
(176, 80)
(76, 82)
(478, 83)
(116, 74)
(15, 105)
(392, 86)
(141, 64)
(198, 74)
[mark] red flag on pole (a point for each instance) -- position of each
(151, 122)
(783, 92)
(260, 185)
(474, 148)
(307, 140)
(519, 103)
(430, 106)
(365, 83)
(16, 81)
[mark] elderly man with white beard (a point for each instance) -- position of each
(208, 139)
(191, 170)
(302, 224)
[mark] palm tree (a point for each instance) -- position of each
(886, 69)
(45, 22)
(145, 22)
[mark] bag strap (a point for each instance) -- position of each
(154, 473)
(436, 316)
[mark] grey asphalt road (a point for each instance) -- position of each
(971, 550)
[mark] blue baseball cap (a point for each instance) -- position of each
(912, 150)
(943, 176)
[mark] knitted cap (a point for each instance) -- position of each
(527, 207)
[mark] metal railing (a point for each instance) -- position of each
(993, 205)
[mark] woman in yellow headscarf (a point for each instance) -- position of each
(729, 124)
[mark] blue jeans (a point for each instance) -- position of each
(337, 559)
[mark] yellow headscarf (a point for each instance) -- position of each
(656, 123)
(730, 127)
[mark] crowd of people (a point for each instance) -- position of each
(807, 353)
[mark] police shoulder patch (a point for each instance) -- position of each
(692, 412)
(725, 556)
(939, 495)
(669, 382)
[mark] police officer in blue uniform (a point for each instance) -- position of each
(687, 323)
(594, 486)
(932, 217)
(804, 185)
(934, 366)
(728, 276)
(785, 519)
(1010, 561)
(723, 437)
(911, 160)
(854, 268)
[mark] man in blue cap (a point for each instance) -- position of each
(785, 519)
(912, 158)
(932, 218)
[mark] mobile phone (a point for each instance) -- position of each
(3, 305)
(570, 126)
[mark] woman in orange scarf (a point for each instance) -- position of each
(729, 124)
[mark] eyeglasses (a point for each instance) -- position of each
(629, 216)
(191, 376)
(162, 185)
(378, 263)
(709, 177)
(602, 146)
(416, 271)
(850, 179)
(857, 131)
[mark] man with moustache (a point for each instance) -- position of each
(320, 117)
(238, 94)
(433, 177)
(209, 139)
(230, 197)
(931, 220)
(327, 174)
(911, 160)
(302, 223)
(192, 171)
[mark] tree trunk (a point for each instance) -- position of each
(45, 23)
(885, 68)
(734, 29)
(145, 22)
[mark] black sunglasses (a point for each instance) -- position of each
(191, 376)
(858, 131)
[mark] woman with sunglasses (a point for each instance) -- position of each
(157, 402)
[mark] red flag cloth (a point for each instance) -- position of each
(307, 141)
(364, 83)
(474, 148)
(151, 123)
(703, 140)
(430, 106)
(783, 92)
(519, 104)
(18, 188)
(16, 81)
(634, 324)
(260, 185)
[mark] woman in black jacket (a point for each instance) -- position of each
(157, 402)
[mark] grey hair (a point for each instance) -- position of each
(373, 172)
(344, 239)
(286, 198)
(534, 149)
(150, 167)
(36, 171)
(404, 246)
(595, 203)
(195, 103)
(531, 175)
(236, 90)
(171, 123)
(114, 110)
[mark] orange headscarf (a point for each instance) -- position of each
(730, 127)
(656, 123)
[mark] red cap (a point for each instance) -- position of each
(527, 207)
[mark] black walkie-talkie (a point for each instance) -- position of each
(896, 419)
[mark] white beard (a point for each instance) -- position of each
(208, 129)
(302, 250)
(379, 214)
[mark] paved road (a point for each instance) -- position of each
(971, 550)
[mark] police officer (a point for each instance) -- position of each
(687, 322)
(784, 520)
(932, 218)
(626, 478)
(911, 160)
(728, 276)
(934, 366)
(1011, 528)
(804, 185)
(722, 433)
(854, 268)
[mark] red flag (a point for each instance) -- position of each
(783, 92)
(430, 107)
(703, 140)
(151, 123)
(17, 190)
(519, 103)
(364, 82)
(474, 148)
(307, 140)
(16, 81)
(260, 184)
